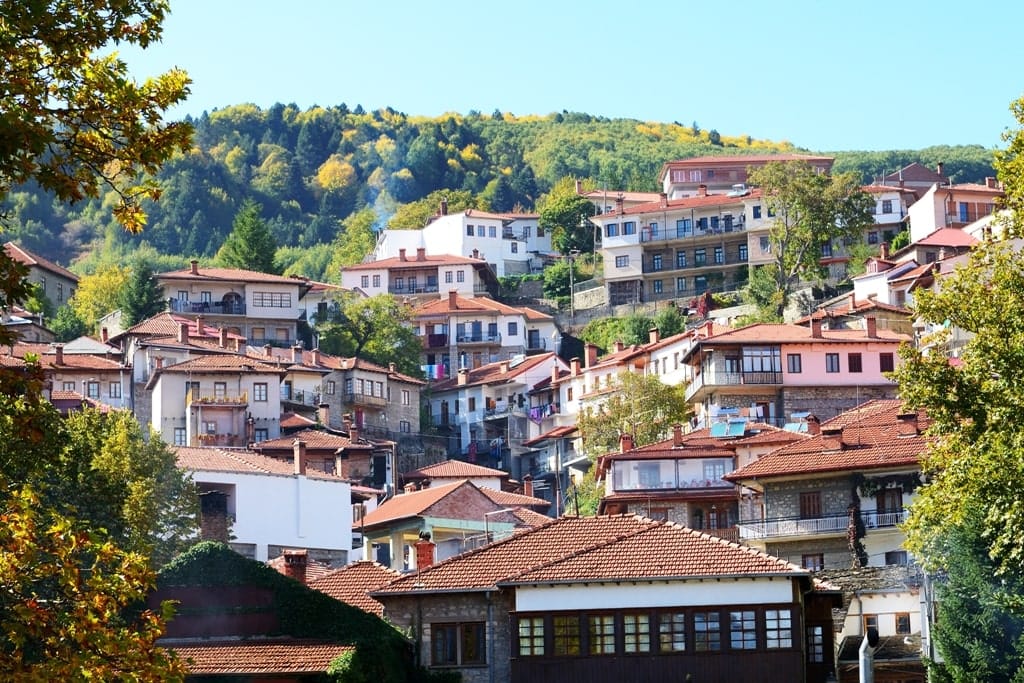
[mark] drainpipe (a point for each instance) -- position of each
(867, 656)
(490, 637)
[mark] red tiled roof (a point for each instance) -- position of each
(168, 324)
(612, 195)
(976, 187)
(222, 363)
(478, 304)
(352, 583)
(529, 517)
(314, 568)
(947, 237)
(240, 462)
(411, 262)
(574, 549)
(27, 258)
(229, 275)
(406, 505)
(455, 469)
(872, 438)
(783, 333)
(314, 439)
(556, 433)
(683, 203)
(916, 172)
(492, 373)
(254, 657)
(878, 189)
(294, 420)
(509, 499)
(859, 306)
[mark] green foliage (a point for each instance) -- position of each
(416, 214)
(604, 332)
(557, 278)
(66, 325)
(860, 251)
(640, 405)
(669, 321)
(141, 297)
(1009, 163)
(250, 246)
(901, 240)
(962, 163)
(376, 329)
(584, 496)
(354, 243)
(564, 213)
(99, 294)
(307, 262)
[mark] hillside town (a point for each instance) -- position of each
(764, 532)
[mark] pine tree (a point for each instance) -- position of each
(250, 246)
(142, 298)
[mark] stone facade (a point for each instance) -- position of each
(835, 552)
(331, 556)
(414, 616)
(783, 499)
(828, 402)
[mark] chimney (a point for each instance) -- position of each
(625, 443)
(574, 367)
(213, 516)
(579, 186)
(476, 253)
(401, 254)
(853, 301)
(314, 357)
(709, 329)
(268, 350)
(938, 168)
(295, 564)
(528, 484)
(299, 456)
(663, 198)
(58, 349)
(323, 413)
(183, 333)
(444, 207)
(813, 425)
(872, 326)
(591, 354)
(453, 302)
(883, 251)
(222, 337)
(353, 433)
(702, 190)
(463, 377)
(677, 435)
(503, 367)
(620, 202)
(346, 423)
(195, 267)
(554, 373)
(296, 354)
(906, 424)
(832, 439)
(158, 361)
(200, 328)
(421, 253)
(653, 335)
(424, 551)
(816, 328)
(618, 345)
(237, 345)
(391, 368)
(104, 335)
(990, 182)
(410, 487)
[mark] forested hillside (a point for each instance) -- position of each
(309, 170)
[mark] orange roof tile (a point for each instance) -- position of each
(414, 504)
(231, 363)
(240, 462)
(253, 657)
(294, 421)
(795, 334)
(27, 258)
(478, 304)
(352, 583)
(509, 499)
(411, 262)
(314, 439)
(683, 203)
(529, 517)
(556, 433)
(492, 373)
(946, 237)
(454, 469)
(229, 275)
(314, 568)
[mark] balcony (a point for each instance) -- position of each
(210, 307)
(834, 524)
(276, 343)
(239, 400)
(671, 268)
(716, 378)
(649, 235)
(435, 341)
(365, 400)
(219, 440)
(498, 411)
(305, 398)
(536, 344)
(479, 338)
(415, 289)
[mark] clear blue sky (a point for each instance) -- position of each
(826, 75)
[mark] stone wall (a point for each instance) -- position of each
(827, 402)
(414, 617)
(143, 406)
(332, 556)
(782, 501)
(835, 551)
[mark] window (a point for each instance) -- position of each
(657, 286)
(515, 247)
(179, 436)
(743, 630)
(902, 623)
(629, 228)
(611, 230)
(376, 280)
(405, 427)
(885, 362)
(399, 284)
(684, 227)
(672, 632)
(68, 386)
(448, 276)
(656, 262)
(680, 259)
(460, 276)
(793, 362)
(896, 557)
(826, 249)
(531, 636)
(601, 629)
(513, 329)
(855, 362)
(405, 397)
(210, 427)
(565, 632)
(364, 281)
(700, 257)
(259, 391)
(182, 295)
(778, 628)
(873, 237)
(492, 231)
(707, 632)
(412, 284)
(540, 231)
(455, 644)
(205, 297)
(471, 403)
(719, 255)
(815, 644)
(741, 252)
(469, 231)
(714, 223)
(765, 244)
(261, 434)
(220, 389)
(757, 210)
(702, 224)
(680, 284)
(276, 299)
(60, 292)
(329, 387)
(115, 390)
(636, 633)
(568, 393)
(92, 389)
(700, 284)
(870, 621)
(480, 230)
(815, 562)
(810, 505)
(886, 206)
(622, 261)
(831, 362)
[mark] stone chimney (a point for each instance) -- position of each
(618, 345)
(463, 377)
(104, 335)
(268, 350)
(702, 190)
(421, 253)
(677, 435)
(574, 367)
(853, 301)
(476, 253)
(195, 267)
(883, 251)
(528, 483)
(183, 333)
(237, 345)
(906, 424)
(813, 425)
(453, 300)
(213, 516)
(323, 413)
(296, 353)
(410, 487)
(620, 204)
(503, 367)
(58, 350)
(392, 368)
(939, 167)
(872, 326)
(295, 562)
(591, 355)
(401, 255)
(222, 337)
(653, 335)
(424, 551)
(625, 443)
(832, 439)
(663, 199)
(991, 183)
(200, 329)
(158, 361)
(708, 329)
(816, 328)
(554, 374)
(353, 433)
(299, 456)
(444, 207)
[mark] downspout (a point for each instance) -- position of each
(866, 662)
(490, 638)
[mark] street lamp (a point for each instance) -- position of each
(487, 522)
(573, 253)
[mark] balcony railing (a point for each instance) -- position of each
(673, 234)
(424, 289)
(682, 485)
(219, 440)
(306, 398)
(276, 343)
(536, 344)
(668, 267)
(497, 411)
(820, 525)
(212, 307)
(435, 341)
(241, 399)
(714, 378)
(365, 400)
(493, 338)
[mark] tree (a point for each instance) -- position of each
(640, 405)
(354, 243)
(810, 210)
(99, 294)
(66, 325)
(376, 329)
(415, 215)
(566, 215)
(141, 297)
(250, 245)
(669, 321)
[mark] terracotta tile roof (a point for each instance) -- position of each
(80, 361)
(314, 438)
(976, 187)
(946, 237)
(27, 258)
(406, 505)
(715, 160)
(167, 325)
(612, 195)
(231, 363)
(314, 568)
(509, 499)
(859, 306)
(352, 583)
(477, 213)
(878, 189)
(530, 518)
(240, 462)
(492, 373)
(574, 549)
(683, 203)
(411, 262)
(455, 469)
(916, 172)
(773, 436)
(556, 433)
(478, 304)
(768, 333)
(11, 361)
(872, 437)
(229, 275)
(295, 421)
(254, 657)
